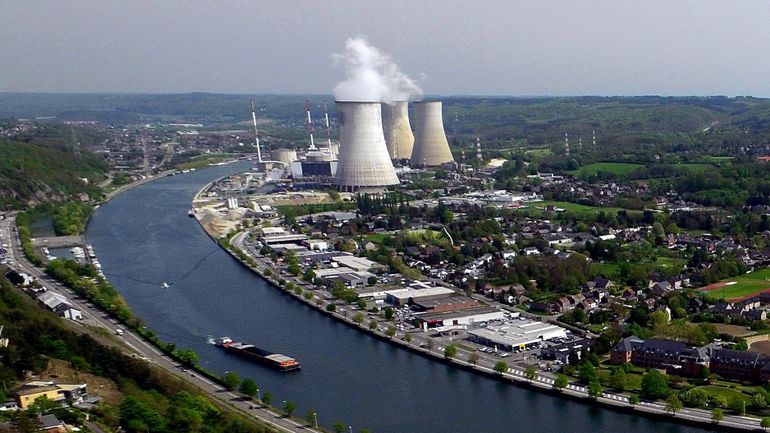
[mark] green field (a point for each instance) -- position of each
(745, 285)
(575, 207)
(732, 396)
(618, 168)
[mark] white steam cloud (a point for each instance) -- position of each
(370, 75)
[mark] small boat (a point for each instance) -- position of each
(191, 213)
(164, 285)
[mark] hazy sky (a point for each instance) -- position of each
(506, 47)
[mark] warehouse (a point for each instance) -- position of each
(516, 334)
(459, 318)
(407, 296)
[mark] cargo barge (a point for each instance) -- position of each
(254, 353)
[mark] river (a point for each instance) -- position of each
(144, 238)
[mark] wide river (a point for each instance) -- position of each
(144, 238)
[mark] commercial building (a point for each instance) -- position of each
(458, 318)
(408, 296)
(517, 334)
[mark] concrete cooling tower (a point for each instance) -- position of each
(286, 156)
(430, 145)
(364, 164)
(398, 131)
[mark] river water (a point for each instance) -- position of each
(144, 238)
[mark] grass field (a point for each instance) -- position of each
(732, 396)
(745, 285)
(618, 168)
(576, 207)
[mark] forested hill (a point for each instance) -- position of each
(32, 173)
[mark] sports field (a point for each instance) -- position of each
(741, 286)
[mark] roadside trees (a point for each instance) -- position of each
(765, 423)
(655, 385)
(673, 404)
(561, 381)
(587, 373)
(231, 380)
(501, 367)
(358, 318)
(391, 332)
(248, 388)
(633, 399)
(595, 389)
(289, 407)
(717, 415)
(450, 351)
(373, 325)
(473, 358)
(530, 373)
(618, 379)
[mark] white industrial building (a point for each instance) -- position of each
(517, 334)
(354, 262)
(405, 296)
(459, 318)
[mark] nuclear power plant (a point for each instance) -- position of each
(398, 131)
(364, 163)
(431, 147)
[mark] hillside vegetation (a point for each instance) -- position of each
(31, 174)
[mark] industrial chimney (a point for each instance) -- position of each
(364, 164)
(398, 131)
(430, 144)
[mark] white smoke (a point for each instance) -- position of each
(370, 75)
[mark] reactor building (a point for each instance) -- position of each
(398, 131)
(431, 148)
(364, 163)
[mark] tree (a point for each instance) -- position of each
(501, 367)
(231, 380)
(673, 404)
(339, 427)
(388, 313)
(587, 373)
(267, 398)
(717, 415)
(408, 338)
(654, 385)
(331, 307)
(309, 275)
(634, 399)
(758, 400)
(373, 325)
(391, 331)
(187, 357)
(618, 379)
(595, 389)
(530, 373)
(765, 423)
(289, 407)
(450, 351)
(248, 388)
(561, 381)
(473, 358)
(358, 318)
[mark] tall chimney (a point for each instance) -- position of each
(398, 131)
(431, 147)
(364, 164)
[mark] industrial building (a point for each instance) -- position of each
(516, 334)
(398, 131)
(458, 318)
(364, 164)
(407, 296)
(431, 148)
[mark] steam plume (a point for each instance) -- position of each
(370, 75)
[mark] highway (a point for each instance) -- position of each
(134, 345)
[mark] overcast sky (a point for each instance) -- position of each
(504, 47)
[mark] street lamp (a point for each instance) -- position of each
(259, 399)
(350, 429)
(315, 420)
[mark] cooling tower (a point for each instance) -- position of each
(398, 132)
(430, 145)
(286, 156)
(364, 164)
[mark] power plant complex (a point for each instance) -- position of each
(371, 136)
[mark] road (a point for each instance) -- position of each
(133, 344)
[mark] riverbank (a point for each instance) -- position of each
(542, 381)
